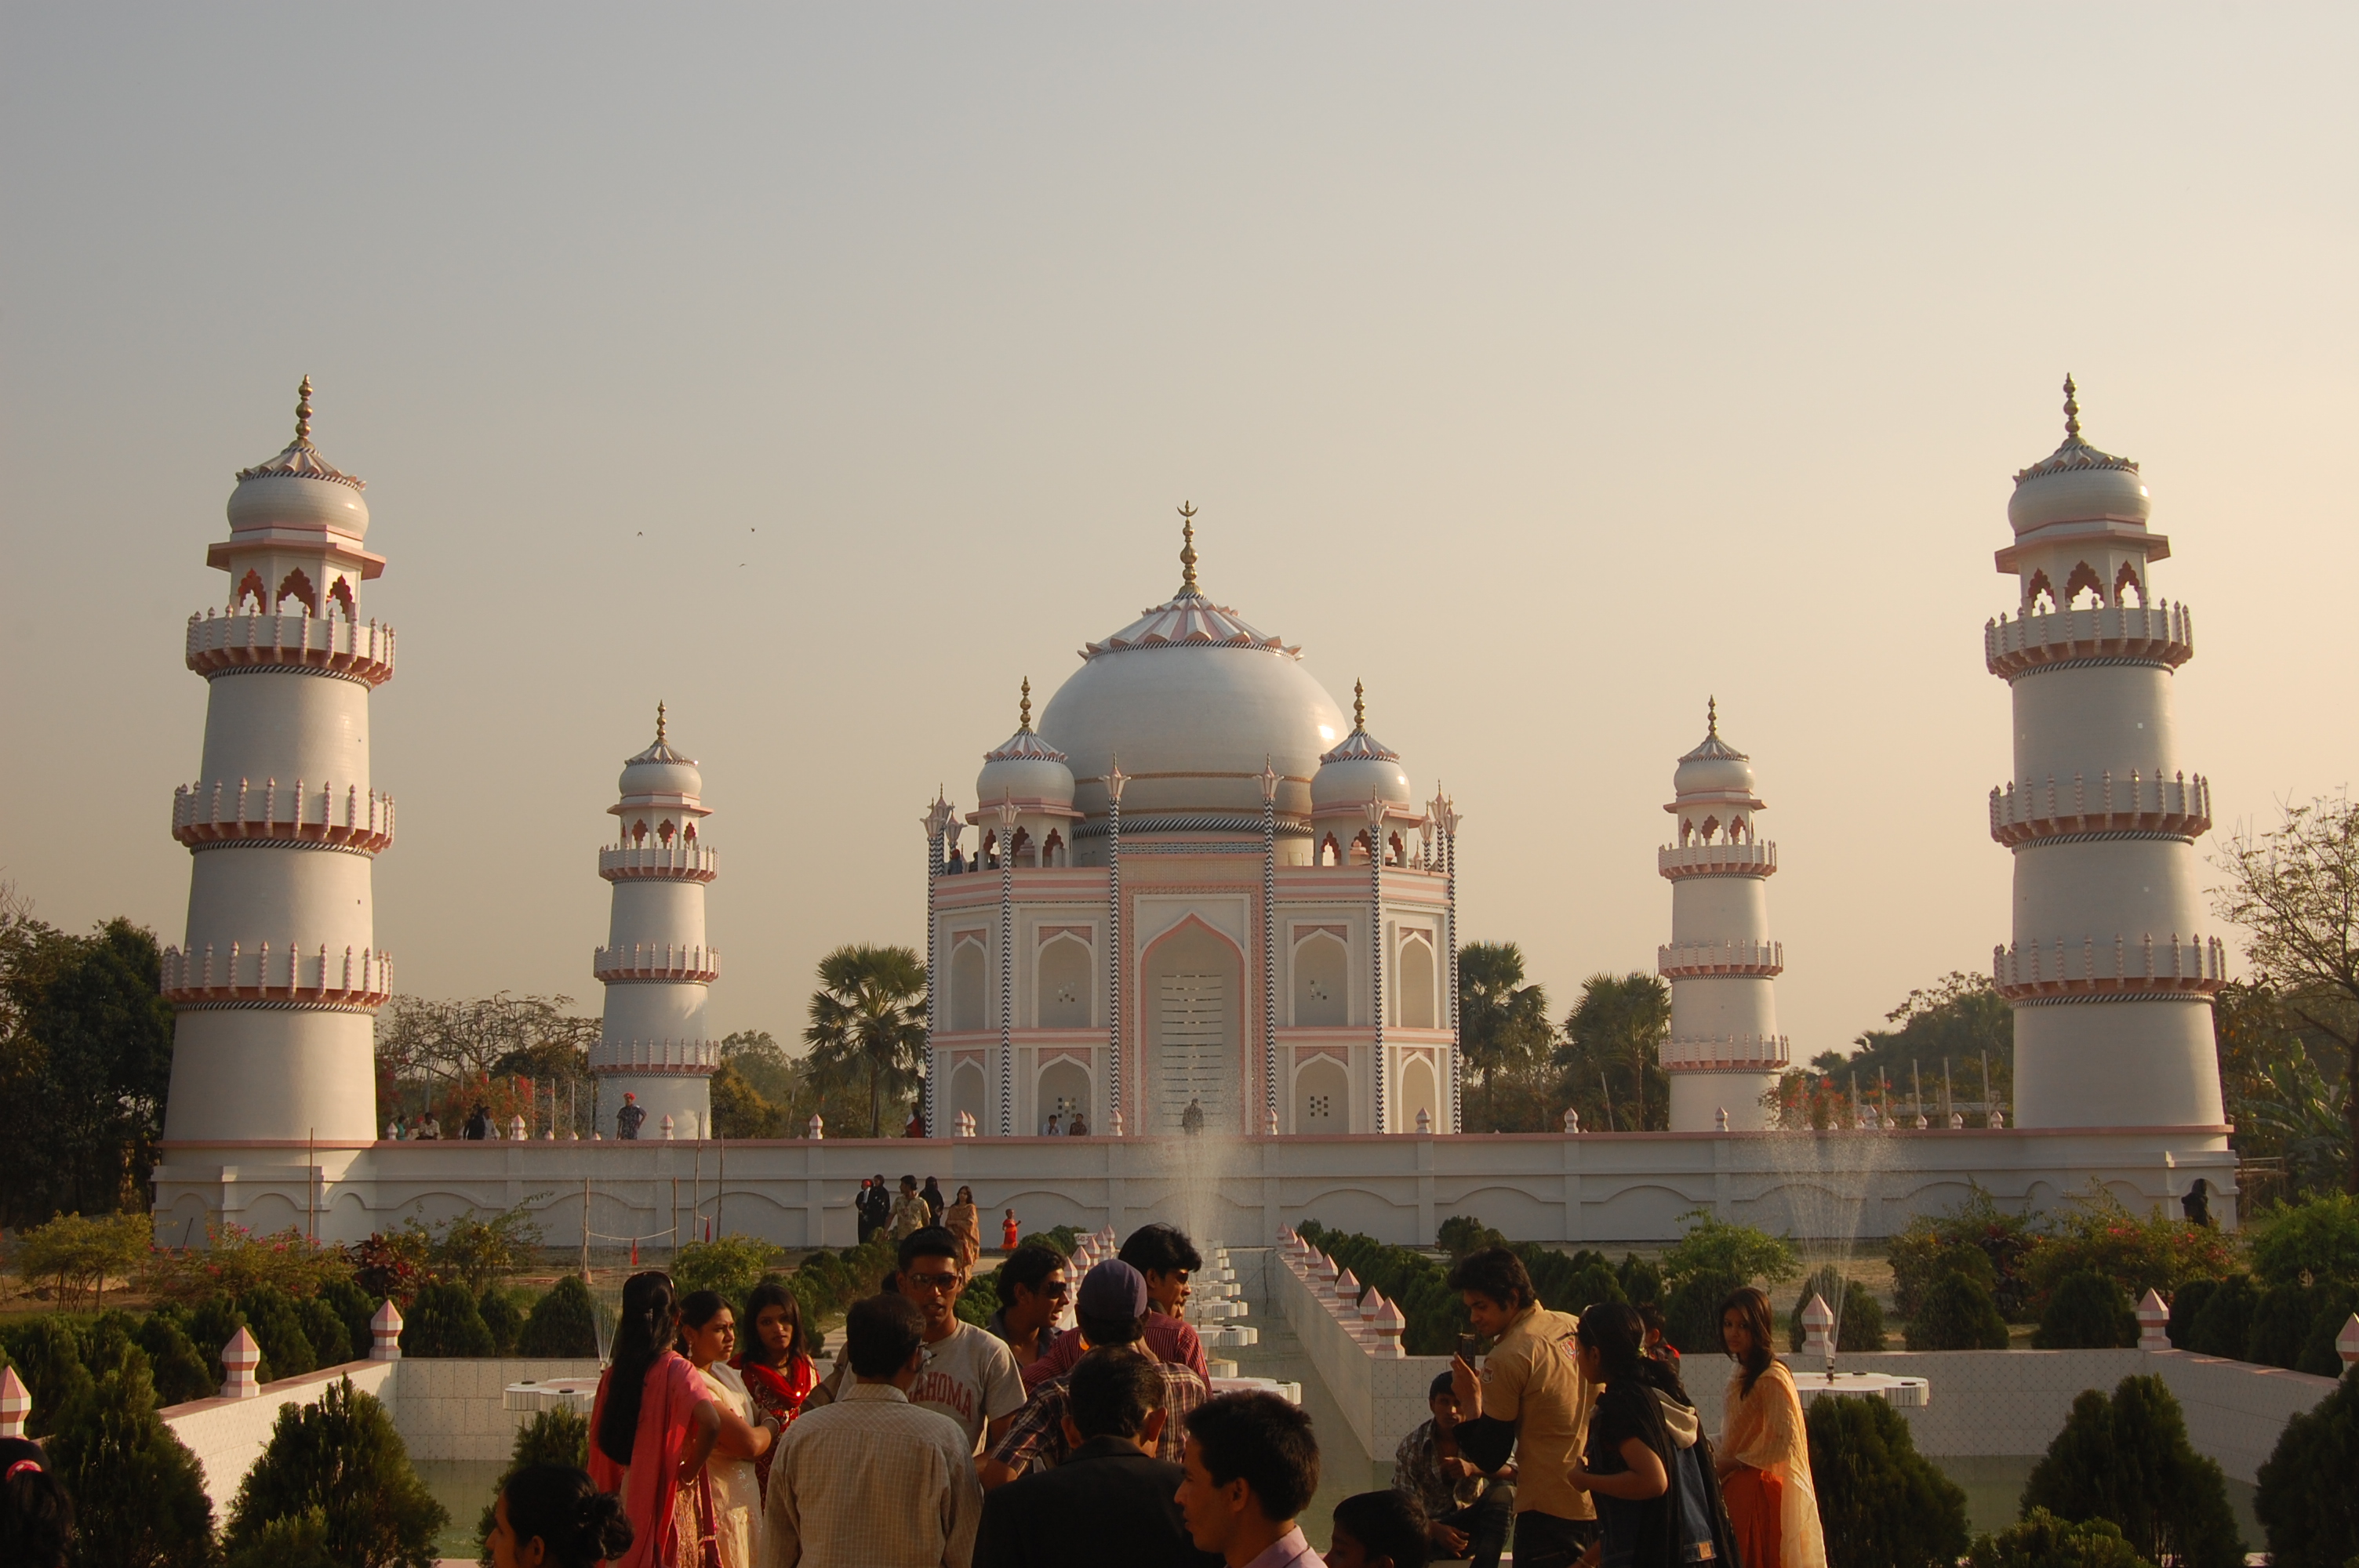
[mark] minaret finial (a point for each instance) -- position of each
(1023, 708)
(1186, 548)
(660, 723)
(304, 413)
(2072, 409)
(1711, 716)
(1359, 706)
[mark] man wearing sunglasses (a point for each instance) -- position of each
(1033, 1289)
(967, 1375)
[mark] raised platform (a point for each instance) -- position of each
(1594, 1187)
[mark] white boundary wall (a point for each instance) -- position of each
(1983, 1402)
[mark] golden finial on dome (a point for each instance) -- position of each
(2072, 409)
(1711, 716)
(1023, 708)
(304, 413)
(1186, 548)
(660, 723)
(1359, 706)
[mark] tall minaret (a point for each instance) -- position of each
(275, 988)
(2111, 981)
(657, 968)
(1724, 1053)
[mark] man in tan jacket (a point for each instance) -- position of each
(1529, 1397)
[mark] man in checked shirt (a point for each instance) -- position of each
(1111, 1307)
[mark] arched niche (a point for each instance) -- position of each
(1195, 980)
(1420, 1092)
(1063, 1089)
(969, 1094)
(1062, 984)
(1322, 969)
(1322, 1097)
(969, 989)
(1417, 988)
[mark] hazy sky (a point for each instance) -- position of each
(825, 372)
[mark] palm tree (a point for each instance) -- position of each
(1617, 1029)
(1503, 1022)
(868, 1019)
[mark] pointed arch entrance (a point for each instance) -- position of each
(1195, 985)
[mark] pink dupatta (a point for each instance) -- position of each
(650, 1483)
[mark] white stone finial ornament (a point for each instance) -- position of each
(816, 1127)
(239, 1358)
(2346, 1342)
(16, 1404)
(1817, 1330)
(1572, 1121)
(385, 1333)
(2154, 1322)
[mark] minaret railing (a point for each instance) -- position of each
(1270, 781)
(1115, 780)
(1377, 948)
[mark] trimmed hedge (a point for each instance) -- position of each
(2128, 1459)
(2087, 1312)
(2306, 1502)
(1882, 1504)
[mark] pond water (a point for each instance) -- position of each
(462, 1486)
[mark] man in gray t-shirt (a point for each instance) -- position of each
(968, 1375)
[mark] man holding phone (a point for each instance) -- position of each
(1530, 1400)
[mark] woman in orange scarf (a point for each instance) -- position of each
(1765, 1456)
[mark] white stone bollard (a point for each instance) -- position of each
(668, 1129)
(16, 1404)
(817, 1128)
(515, 1127)
(1720, 1120)
(1572, 1122)
(1424, 1124)
(2154, 1322)
(1371, 1305)
(2346, 1343)
(1346, 1295)
(385, 1328)
(1998, 1121)
(239, 1357)
(1817, 1330)
(1269, 1121)
(1390, 1326)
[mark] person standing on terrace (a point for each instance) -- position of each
(1530, 1401)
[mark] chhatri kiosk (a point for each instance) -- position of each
(1193, 896)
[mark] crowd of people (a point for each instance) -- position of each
(717, 1441)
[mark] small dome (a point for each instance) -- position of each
(297, 489)
(1361, 769)
(1024, 766)
(2077, 484)
(1714, 767)
(660, 772)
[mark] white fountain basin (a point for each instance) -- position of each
(575, 1394)
(1290, 1392)
(1906, 1393)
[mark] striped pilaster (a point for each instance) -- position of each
(934, 868)
(1007, 984)
(1114, 962)
(1268, 962)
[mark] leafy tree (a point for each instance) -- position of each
(139, 1497)
(563, 1323)
(1709, 1243)
(2224, 1327)
(2316, 1239)
(1882, 1504)
(1503, 1022)
(2186, 1307)
(1957, 1314)
(1928, 1248)
(2337, 1300)
(1613, 1046)
(298, 1540)
(2306, 1502)
(178, 1368)
(559, 1436)
(868, 1021)
(1641, 1281)
(2087, 1312)
(342, 1457)
(277, 1325)
(1859, 1317)
(355, 1309)
(762, 1092)
(2282, 1080)
(2094, 1232)
(1462, 1233)
(2043, 1540)
(449, 1054)
(46, 1352)
(214, 1323)
(2295, 889)
(2128, 1459)
(731, 1265)
(476, 1252)
(445, 1321)
(502, 1319)
(80, 1254)
(740, 1110)
(1959, 1020)
(85, 1059)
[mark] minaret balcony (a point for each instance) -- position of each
(644, 1058)
(656, 963)
(207, 817)
(2161, 633)
(2143, 803)
(355, 980)
(1720, 858)
(1693, 960)
(1729, 1053)
(316, 645)
(2060, 969)
(678, 861)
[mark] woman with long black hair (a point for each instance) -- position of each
(1765, 1452)
(1648, 1464)
(774, 1359)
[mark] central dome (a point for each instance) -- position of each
(1193, 703)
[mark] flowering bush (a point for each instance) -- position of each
(235, 1261)
(2096, 1234)
(1926, 1252)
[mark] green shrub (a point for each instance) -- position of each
(180, 1368)
(300, 1541)
(212, 1327)
(559, 1436)
(1641, 1281)
(502, 1318)
(331, 1343)
(47, 1353)
(1859, 1323)
(139, 1497)
(2306, 1502)
(979, 1300)
(1882, 1504)
(1590, 1284)
(1692, 1311)
(2093, 1232)
(2337, 1300)
(1934, 1245)
(445, 1322)
(731, 1265)
(342, 1457)
(277, 1326)
(2224, 1327)
(2086, 1311)
(2043, 1540)
(563, 1323)
(2186, 1307)
(2281, 1324)
(1957, 1314)
(2128, 1459)
(1063, 1237)
(354, 1307)
(1462, 1233)
(2320, 1239)
(1710, 1245)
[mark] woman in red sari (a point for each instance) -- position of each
(776, 1362)
(653, 1427)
